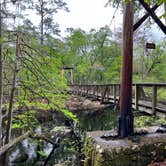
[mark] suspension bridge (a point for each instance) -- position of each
(146, 97)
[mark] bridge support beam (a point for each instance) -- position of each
(125, 127)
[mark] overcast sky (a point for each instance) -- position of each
(86, 14)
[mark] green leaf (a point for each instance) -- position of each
(70, 115)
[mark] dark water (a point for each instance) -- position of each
(28, 146)
(70, 149)
(103, 121)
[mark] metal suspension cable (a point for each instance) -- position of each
(113, 17)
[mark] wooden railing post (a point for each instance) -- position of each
(74, 88)
(91, 90)
(97, 91)
(108, 93)
(87, 89)
(136, 96)
(114, 93)
(94, 89)
(104, 92)
(81, 90)
(100, 91)
(154, 99)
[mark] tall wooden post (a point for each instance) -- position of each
(1, 74)
(70, 72)
(125, 127)
(71, 76)
(154, 99)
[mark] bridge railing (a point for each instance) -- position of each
(145, 95)
(150, 95)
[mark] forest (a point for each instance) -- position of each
(33, 90)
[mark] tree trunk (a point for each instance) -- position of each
(11, 102)
(1, 76)
(6, 147)
(42, 24)
(125, 127)
(165, 11)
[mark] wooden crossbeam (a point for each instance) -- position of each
(153, 15)
(142, 19)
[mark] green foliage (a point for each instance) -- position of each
(58, 128)
(43, 154)
(70, 115)
(93, 55)
(145, 121)
(161, 94)
(25, 120)
(149, 64)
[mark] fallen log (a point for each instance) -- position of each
(12, 143)
(47, 137)
(43, 137)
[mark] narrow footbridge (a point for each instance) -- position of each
(147, 97)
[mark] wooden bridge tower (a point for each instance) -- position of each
(70, 72)
(125, 127)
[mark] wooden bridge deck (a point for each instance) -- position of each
(145, 96)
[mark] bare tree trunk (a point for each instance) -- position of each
(11, 102)
(126, 119)
(1, 76)
(165, 11)
(42, 24)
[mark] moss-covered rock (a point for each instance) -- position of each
(124, 152)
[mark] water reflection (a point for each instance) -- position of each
(67, 151)
(105, 121)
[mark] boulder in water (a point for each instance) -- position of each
(22, 157)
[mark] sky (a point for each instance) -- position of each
(86, 14)
(90, 14)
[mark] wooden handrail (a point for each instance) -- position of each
(111, 91)
(134, 84)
